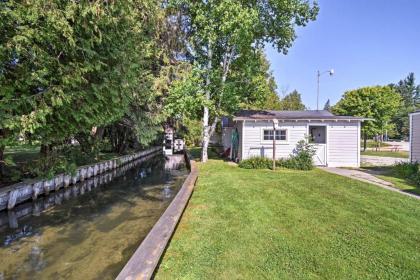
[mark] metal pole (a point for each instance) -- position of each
(274, 145)
(317, 92)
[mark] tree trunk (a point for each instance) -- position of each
(45, 150)
(213, 126)
(2, 164)
(206, 135)
(364, 141)
(3, 135)
(97, 132)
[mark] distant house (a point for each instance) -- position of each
(336, 138)
(415, 136)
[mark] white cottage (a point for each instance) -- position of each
(415, 137)
(336, 138)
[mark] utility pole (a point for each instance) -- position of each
(317, 91)
(331, 72)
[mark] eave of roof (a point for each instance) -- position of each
(342, 118)
(293, 116)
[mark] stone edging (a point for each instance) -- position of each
(31, 189)
(145, 259)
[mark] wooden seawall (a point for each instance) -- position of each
(11, 217)
(30, 190)
(147, 256)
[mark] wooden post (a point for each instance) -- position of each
(274, 143)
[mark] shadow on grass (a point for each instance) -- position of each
(213, 152)
(387, 173)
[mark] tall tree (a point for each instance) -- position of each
(410, 95)
(69, 66)
(255, 78)
(222, 34)
(327, 105)
(292, 102)
(379, 104)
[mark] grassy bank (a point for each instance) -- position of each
(399, 154)
(25, 161)
(388, 173)
(260, 224)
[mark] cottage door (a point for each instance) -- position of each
(318, 137)
(320, 157)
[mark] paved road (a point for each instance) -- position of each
(381, 161)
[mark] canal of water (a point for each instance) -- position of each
(88, 231)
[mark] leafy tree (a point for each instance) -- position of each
(410, 95)
(224, 35)
(409, 91)
(327, 105)
(262, 85)
(69, 66)
(292, 102)
(379, 103)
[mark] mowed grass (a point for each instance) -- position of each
(260, 224)
(399, 154)
(388, 173)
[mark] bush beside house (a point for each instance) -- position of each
(409, 171)
(301, 159)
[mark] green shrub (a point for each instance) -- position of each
(256, 163)
(416, 179)
(191, 132)
(406, 169)
(47, 167)
(301, 159)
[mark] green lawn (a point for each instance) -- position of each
(26, 156)
(260, 224)
(374, 144)
(22, 153)
(399, 154)
(387, 173)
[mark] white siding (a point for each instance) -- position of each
(415, 137)
(343, 144)
(342, 141)
(254, 146)
(238, 125)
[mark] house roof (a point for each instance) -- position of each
(291, 115)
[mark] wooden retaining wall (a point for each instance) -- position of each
(30, 190)
(147, 256)
(11, 217)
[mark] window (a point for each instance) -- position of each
(281, 134)
(317, 134)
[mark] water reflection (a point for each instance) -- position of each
(88, 229)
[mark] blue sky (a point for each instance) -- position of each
(367, 42)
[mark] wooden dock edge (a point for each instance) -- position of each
(145, 259)
(13, 195)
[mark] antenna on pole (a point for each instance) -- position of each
(331, 72)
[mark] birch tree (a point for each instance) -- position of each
(223, 34)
